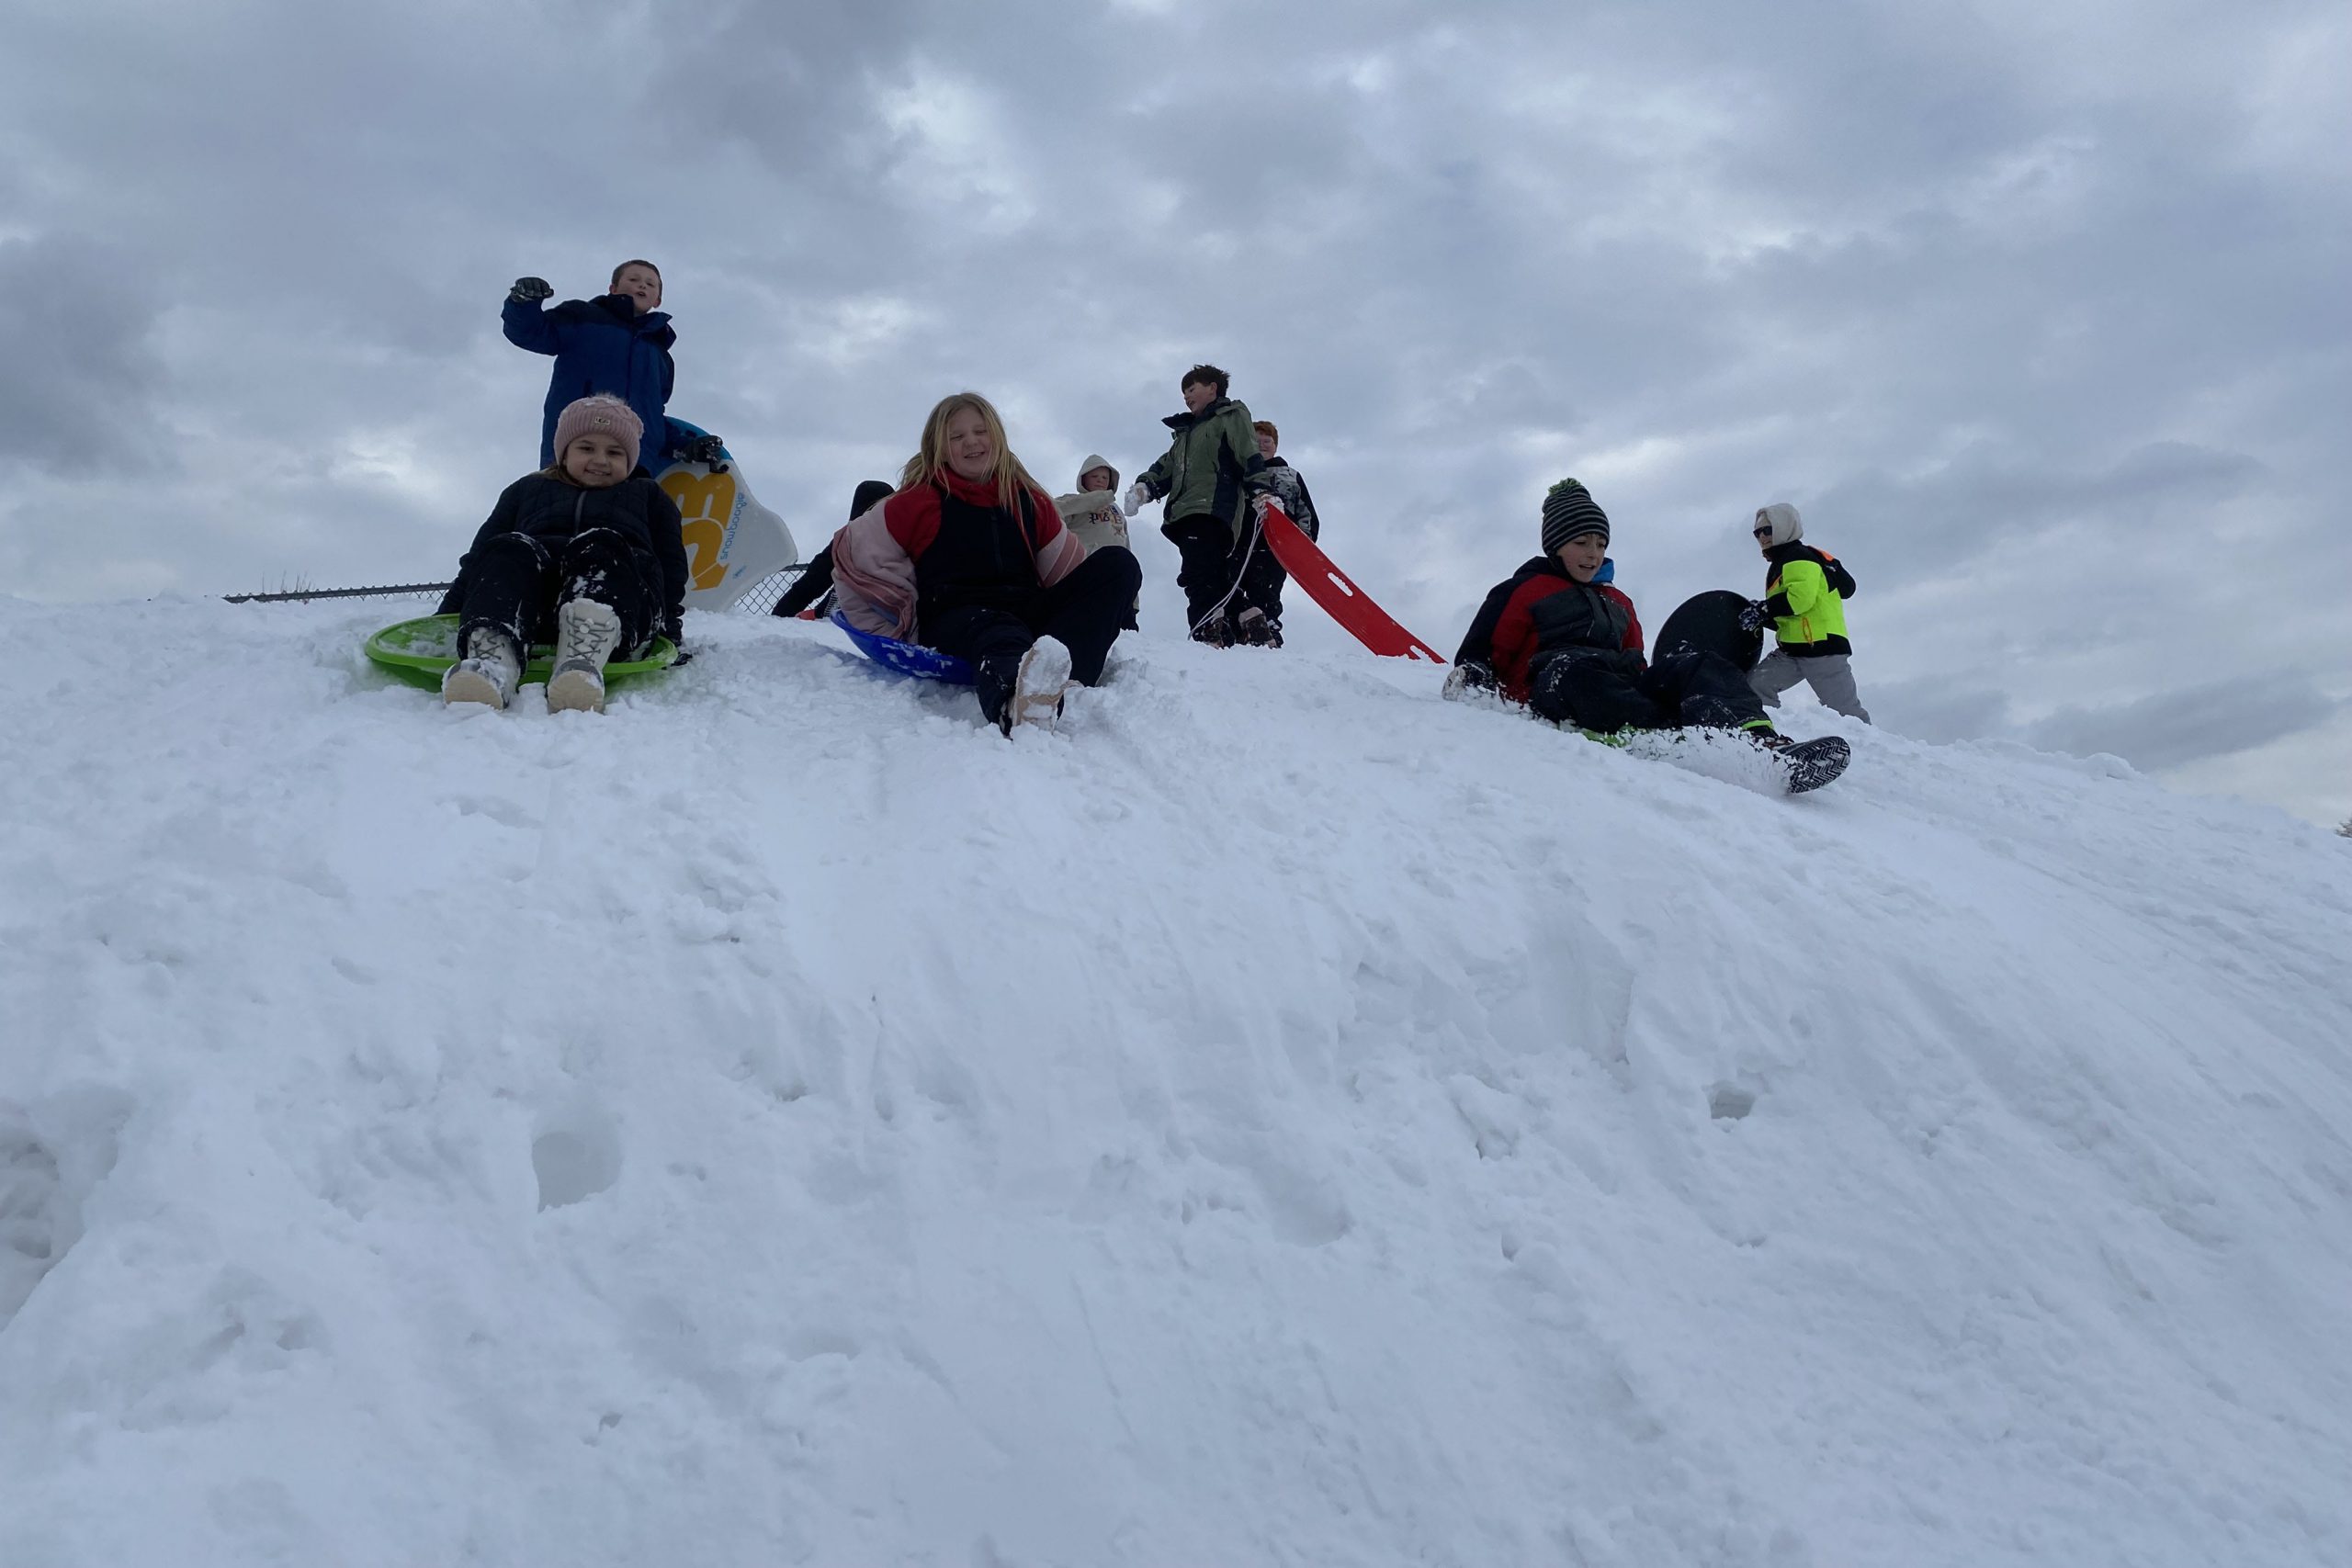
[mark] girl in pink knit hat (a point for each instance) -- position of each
(586, 553)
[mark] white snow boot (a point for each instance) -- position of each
(1037, 689)
(586, 633)
(488, 671)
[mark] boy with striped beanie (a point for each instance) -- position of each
(1569, 645)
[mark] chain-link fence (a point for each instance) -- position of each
(304, 595)
(761, 599)
(757, 602)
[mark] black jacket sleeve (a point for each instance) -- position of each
(1478, 642)
(501, 521)
(1312, 524)
(811, 585)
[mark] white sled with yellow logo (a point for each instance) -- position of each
(733, 543)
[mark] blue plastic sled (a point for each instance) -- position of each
(907, 658)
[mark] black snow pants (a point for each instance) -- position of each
(1083, 612)
(1261, 577)
(1598, 689)
(1211, 563)
(515, 583)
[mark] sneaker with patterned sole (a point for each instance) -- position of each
(1254, 628)
(1216, 631)
(1806, 765)
(1037, 689)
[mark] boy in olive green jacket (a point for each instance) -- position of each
(1805, 591)
(1211, 477)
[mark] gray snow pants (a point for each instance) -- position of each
(1831, 676)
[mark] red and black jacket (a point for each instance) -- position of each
(969, 548)
(944, 546)
(1542, 609)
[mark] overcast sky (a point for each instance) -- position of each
(2038, 308)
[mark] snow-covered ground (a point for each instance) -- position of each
(1281, 1119)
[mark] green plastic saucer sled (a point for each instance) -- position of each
(421, 651)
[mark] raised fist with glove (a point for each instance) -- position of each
(1136, 496)
(531, 291)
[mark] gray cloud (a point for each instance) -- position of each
(2180, 727)
(1942, 710)
(77, 319)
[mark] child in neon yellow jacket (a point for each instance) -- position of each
(1805, 591)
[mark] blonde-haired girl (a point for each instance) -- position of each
(970, 558)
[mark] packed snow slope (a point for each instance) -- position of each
(1281, 1119)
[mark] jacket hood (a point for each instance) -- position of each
(618, 310)
(1549, 566)
(1782, 519)
(1092, 461)
(1178, 421)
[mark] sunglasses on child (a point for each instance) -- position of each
(1762, 532)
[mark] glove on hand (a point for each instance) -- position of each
(1752, 619)
(1136, 496)
(1471, 676)
(531, 291)
(707, 450)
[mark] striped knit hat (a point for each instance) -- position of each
(1571, 512)
(600, 415)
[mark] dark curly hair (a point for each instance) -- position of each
(1208, 373)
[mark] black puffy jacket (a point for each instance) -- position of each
(553, 510)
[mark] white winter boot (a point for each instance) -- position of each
(488, 671)
(585, 636)
(1037, 689)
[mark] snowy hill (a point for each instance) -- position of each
(1282, 1118)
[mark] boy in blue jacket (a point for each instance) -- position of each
(616, 345)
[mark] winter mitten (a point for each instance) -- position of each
(1473, 675)
(531, 291)
(1136, 496)
(1753, 617)
(707, 450)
